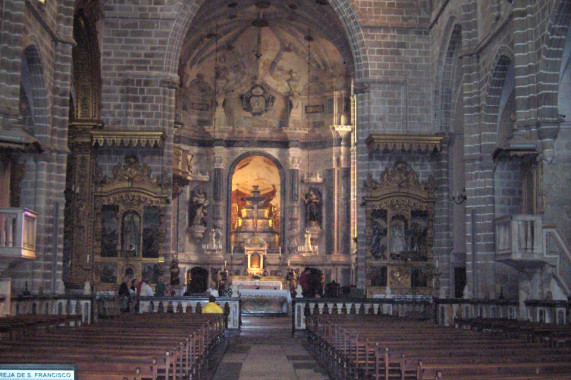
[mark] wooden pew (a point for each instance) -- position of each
(149, 346)
(383, 347)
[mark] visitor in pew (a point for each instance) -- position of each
(211, 307)
(146, 290)
(161, 288)
(133, 287)
(304, 282)
(124, 297)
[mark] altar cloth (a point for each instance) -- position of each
(257, 284)
(265, 301)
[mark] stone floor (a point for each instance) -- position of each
(265, 350)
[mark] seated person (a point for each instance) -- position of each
(212, 307)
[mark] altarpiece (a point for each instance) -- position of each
(399, 233)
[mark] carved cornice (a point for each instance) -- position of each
(128, 138)
(182, 163)
(400, 179)
(129, 175)
(422, 143)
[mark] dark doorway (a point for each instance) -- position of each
(316, 282)
(459, 282)
(197, 280)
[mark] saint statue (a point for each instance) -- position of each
(197, 207)
(398, 244)
(312, 201)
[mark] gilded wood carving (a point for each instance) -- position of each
(399, 217)
(129, 224)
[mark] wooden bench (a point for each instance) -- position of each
(382, 347)
(149, 346)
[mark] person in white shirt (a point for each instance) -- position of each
(212, 291)
(146, 290)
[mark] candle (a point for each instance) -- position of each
(288, 262)
(224, 262)
(280, 248)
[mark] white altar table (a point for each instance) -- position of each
(265, 301)
(258, 284)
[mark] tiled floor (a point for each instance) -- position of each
(265, 350)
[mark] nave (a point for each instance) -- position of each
(265, 350)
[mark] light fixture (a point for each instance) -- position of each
(458, 197)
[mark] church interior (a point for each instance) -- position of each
(405, 153)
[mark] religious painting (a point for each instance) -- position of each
(131, 234)
(256, 202)
(108, 273)
(378, 276)
(109, 230)
(379, 244)
(151, 231)
(150, 272)
(418, 278)
(418, 234)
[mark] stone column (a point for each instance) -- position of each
(218, 192)
(292, 204)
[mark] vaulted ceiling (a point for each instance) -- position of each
(266, 41)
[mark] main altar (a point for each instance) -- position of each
(262, 295)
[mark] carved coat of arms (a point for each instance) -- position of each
(257, 100)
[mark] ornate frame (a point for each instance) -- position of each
(131, 189)
(399, 199)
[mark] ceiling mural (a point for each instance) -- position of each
(263, 64)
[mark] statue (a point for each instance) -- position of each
(298, 291)
(312, 201)
(197, 207)
(398, 243)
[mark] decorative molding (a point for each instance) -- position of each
(423, 143)
(128, 138)
(257, 101)
(182, 162)
(401, 178)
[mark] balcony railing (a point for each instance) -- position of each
(519, 237)
(18, 233)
